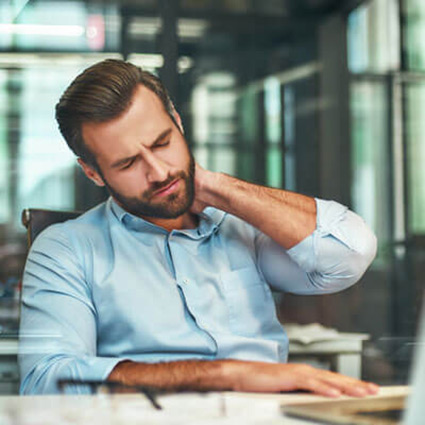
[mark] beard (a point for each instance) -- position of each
(172, 206)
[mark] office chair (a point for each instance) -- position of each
(35, 220)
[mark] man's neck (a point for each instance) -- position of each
(185, 221)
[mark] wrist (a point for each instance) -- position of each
(121, 372)
(230, 374)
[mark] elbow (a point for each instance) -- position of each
(343, 255)
(363, 250)
(344, 266)
(35, 383)
(358, 262)
(31, 384)
(366, 253)
(40, 376)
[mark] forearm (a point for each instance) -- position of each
(286, 217)
(194, 375)
(238, 375)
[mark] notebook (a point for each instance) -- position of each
(375, 410)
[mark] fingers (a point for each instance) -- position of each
(333, 384)
(266, 377)
(350, 386)
(322, 388)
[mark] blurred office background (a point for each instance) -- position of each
(323, 97)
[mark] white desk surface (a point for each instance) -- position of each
(343, 342)
(8, 346)
(130, 409)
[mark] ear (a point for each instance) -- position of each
(91, 173)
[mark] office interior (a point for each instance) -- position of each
(323, 97)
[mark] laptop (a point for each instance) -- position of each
(415, 411)
(375, 410)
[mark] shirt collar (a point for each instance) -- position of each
(210, 220)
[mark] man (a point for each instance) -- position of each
(167, 283)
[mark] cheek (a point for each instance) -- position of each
(130, 182)
(180, 157)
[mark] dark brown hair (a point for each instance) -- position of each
(100, 93)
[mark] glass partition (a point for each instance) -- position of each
(371, 159)
(374, 37)
(386, 56)
(415, 130)
(414, 34)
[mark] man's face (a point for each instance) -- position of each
(143, 159)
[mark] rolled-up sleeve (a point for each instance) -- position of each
(332, 258)
(58, 319)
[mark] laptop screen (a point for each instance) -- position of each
(415, 412)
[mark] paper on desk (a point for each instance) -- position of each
(306, 334)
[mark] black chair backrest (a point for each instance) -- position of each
(35, 220)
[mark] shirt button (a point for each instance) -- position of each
(185, 281)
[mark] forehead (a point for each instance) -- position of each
(141, 123)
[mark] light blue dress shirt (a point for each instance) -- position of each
(109, 286)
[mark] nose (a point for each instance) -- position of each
(157, 170)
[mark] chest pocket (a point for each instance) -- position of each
(249, 302)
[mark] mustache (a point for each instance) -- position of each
(156, 186)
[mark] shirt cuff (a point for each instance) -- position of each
(99, 368)
(85, 368)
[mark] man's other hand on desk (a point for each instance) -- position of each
(237, 375)
(272, 377)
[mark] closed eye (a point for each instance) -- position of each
(161, 144)
(128, 164)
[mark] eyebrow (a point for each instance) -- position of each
(122, 161)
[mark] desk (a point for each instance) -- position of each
(227, 408)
